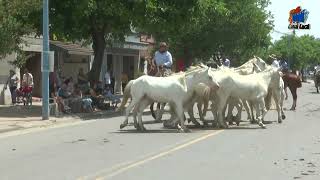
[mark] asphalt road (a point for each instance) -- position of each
(99, 150)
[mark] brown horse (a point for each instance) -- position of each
(293, 81)
(317, 79)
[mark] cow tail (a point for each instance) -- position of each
(126, 96)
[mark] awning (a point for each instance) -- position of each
(71, 48)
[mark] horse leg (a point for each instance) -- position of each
(200, 110)
(142, 105)
(286, 93)
(160, 111)
(134, 114)
(294, 97)
(214, 111)
(128, 110)
(220, 110)
(191, 114)
(257, 105)
(283, 116)
(253, 120)
(231, 106)
(277, 98)
(246, 107)
(180, 114)
(239, 109)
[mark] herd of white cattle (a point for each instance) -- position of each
(252, 85)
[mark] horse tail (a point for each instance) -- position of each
(206, 98)
(126, 96)
(268, 99)
(299, 80)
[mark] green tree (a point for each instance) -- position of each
(299, 51)
(14, 23)
(239, 29)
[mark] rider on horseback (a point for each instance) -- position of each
(162, 63)
(163, 60)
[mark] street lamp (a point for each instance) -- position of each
(45, 61)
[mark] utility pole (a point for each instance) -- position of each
(45, 61)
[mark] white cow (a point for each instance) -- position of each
(172, 90)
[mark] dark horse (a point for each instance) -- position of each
(293, 81)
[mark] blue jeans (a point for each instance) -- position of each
(13, 94)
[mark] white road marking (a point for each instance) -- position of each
(118, 169)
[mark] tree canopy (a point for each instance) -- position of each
(15, 18)
(193, 28)
(299, 51)
(238, 29)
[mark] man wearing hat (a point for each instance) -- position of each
(275, 62)
(163, 60)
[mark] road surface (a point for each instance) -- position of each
(97, 149)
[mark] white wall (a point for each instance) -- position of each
(72, 69)
(5, 66)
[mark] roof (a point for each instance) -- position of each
(71, 48)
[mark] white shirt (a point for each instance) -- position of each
(276, 64)
(107, 78)
(164, 58)
(27, 79)
(226, 63)
(145, 67)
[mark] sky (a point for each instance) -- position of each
(280, 10)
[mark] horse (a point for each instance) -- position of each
(317, 80)
(148, 89)
(253, 87)
(293, 81)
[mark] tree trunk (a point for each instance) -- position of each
(187, 57)
(98, 45)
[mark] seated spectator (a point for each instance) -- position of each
(96, 98)
(77, 91)
(83, 80)
(70, 87)
(113, 98)
(64, 91)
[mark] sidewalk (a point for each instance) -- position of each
(20, 117)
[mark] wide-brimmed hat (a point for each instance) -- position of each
(163, 44)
